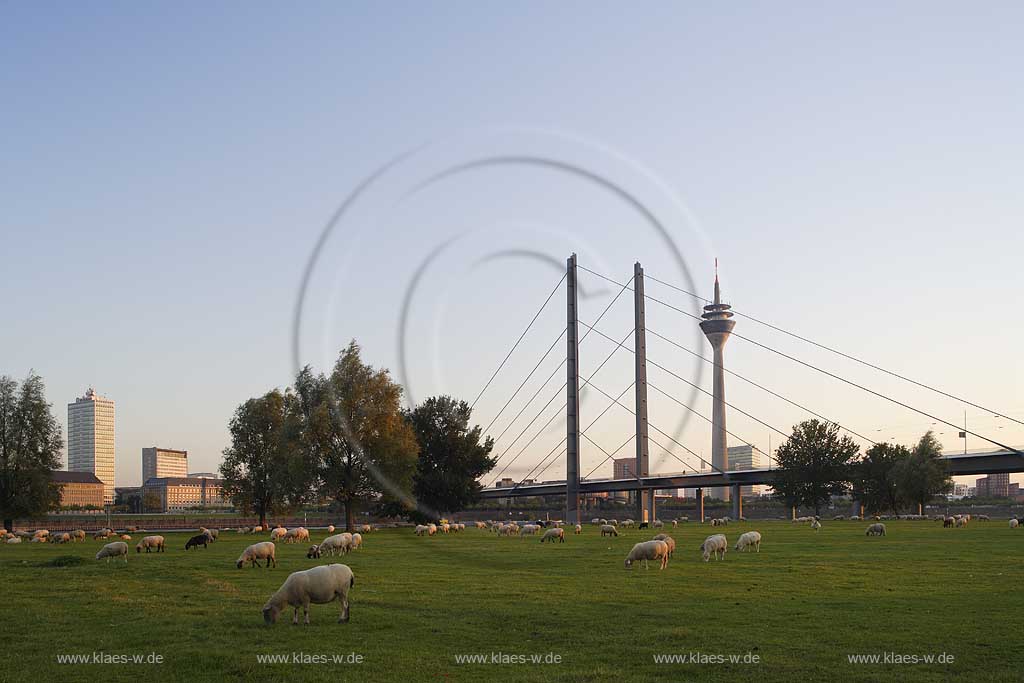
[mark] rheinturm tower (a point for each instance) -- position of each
(717, 326)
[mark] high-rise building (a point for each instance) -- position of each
(994, 486)
(745, 457)
(623, 468)
(91, 439)
(163, 462)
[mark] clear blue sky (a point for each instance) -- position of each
(167, 170)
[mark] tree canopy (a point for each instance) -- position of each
(30, 445)
(814, 464)
(874, 478)
(924, 474)
(452, 456)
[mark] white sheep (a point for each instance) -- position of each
(330, 528)
(668, 541)
(431, 529)
(961, 522)
(17, 539)
(150, 542)
(714, 545)
(1014, 523)
(608, 530)
(296, 535)
(126, 537)
(657, 524)
(278, 533)
(257, 530)
(595, 521)
(529, 529)
(319, 585)
(751, 539)
(339, 543)
(78, 535)
(422, 529)
(265, 550)
(481, 525)
(875, 530)
(675, 523)
(579, 529)
(815, 524)
(646, 551)
(552, 534)
(116, 549)
(356, 541)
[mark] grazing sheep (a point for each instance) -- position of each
(278, 533)
(714, 545)
(313, 552)
(357, 541)
(60, 538)
(150, 542)
(595, 521)
(603, 521)
(608, 530)
(984, 518)
(646, 551)
(264, 550)
(421, 529)
(579, 529)
(1013, 525)
(257, 529)
(815, 524)
(675, 523)
(668, 541)
(961, 522)
(751, 539)
(17, 539)
(552, 534)
(214, 534)
(948, 522)
(431, 529)
(242, 529)
(643, 525)
(658, 524)
(339, 543)
(41, 533)
(196, 541)
(296, 535)
(529, 530)
(319, 585)
(625, 524)
(38, 539)
(446, 528)
(78, 535)
(116, 549)
(125, 537)
(875, 530)
(330, 528)
(481, 525)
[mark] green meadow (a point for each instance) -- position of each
(422, 607)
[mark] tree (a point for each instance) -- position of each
(262, 468)
(30, 446)
(353, 428)
(151, 502)
(813, 464)
(452, 456)
(874, 477)
(925, 473)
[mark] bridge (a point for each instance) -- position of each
(717, 324)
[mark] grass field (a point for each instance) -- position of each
(801, 605)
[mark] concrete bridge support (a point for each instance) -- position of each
(737, 502)
(700, 505)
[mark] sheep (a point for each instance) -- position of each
(529, 530)
(984, 518)
(17, 539)
(875, 530)
(421, 529)
(948, 522)
(313, 552)
(579, 529)
(125, 537)
(339, 543)
(602, 521)
(643, 525)
(196, 541)
(330, 528)
(278, 533)
(116, 549)
(608, 530)
(38, 539)
(60, 538)
(357, 541)
(446, 528)
(684, 519)
(552, 534)
(296, 535)
(264, 550)
(751, 539)
(595, 521)
(669, 541)
(675, 523)
(646, 551)
(150, 542)
(1013, 525)
(257, 529)
(625, 523)
(214, 534)
(431, 529)
(78, 535)
(815, 524)
(319, 585)
(961, 522)
(714, 545)
(41, 533)
(480, 525)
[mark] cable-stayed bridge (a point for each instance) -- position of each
(700, 474)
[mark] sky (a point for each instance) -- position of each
(198, 200)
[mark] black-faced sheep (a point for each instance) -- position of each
(196, 541)
(875, 530)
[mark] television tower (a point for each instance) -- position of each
(717, 326)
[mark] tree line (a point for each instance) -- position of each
(344, 437)
(816, 463)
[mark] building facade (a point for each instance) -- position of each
(746, 457)
(163, 462)
(79, 489)
(91, 439)
(993, 486)
(173, 494)
(623, 468)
